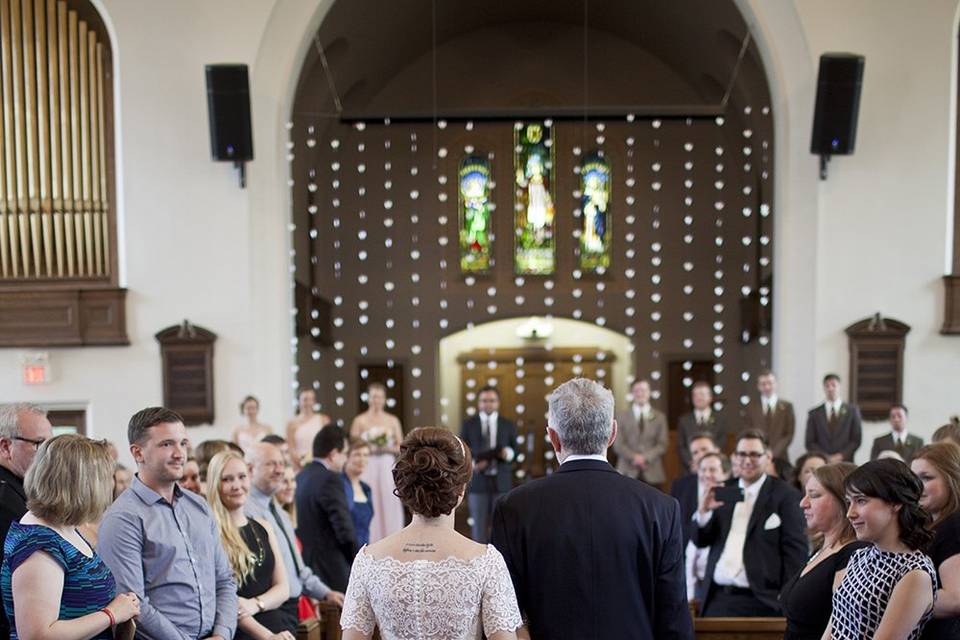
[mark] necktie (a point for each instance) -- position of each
(642, 421)
(833, 417)
(730, 562)
(283, 530)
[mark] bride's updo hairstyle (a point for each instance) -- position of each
(432, 471)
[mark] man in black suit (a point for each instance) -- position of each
(593, 554)
(23, 428)
(686, 488)
(833, 427)
(702, 418)
(898, 440)
(767, 521)
(490, 437)
(324, 524)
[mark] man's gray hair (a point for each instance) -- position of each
(581, 412)
(9, 413)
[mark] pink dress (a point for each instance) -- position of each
(388, 514)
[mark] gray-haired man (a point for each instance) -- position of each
(23, 428)
(592, 554)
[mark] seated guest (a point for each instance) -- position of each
(806, 465)
(686, 488)
(714, 471)
(949, 432)
(204, 453)
(325, 526)
(359, 494)
(54, 583)
(782, 469)
(771, 415)
(807, 597)
(834, 426)
(889, 587)
(466, 584)
(162, 543)
(190, 480)
(938, 467)
(281, 443)
(268, 478)
(121, 480)
(898, 440)
(286, 494)
(766, 520)
(702, 418)
(642, 438)
(251, 548)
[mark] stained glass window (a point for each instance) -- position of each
(475, 218)
(595, 236)
(535, 242)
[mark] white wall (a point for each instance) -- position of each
(871, 238)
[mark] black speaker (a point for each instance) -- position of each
(228, 104)
(838, 103)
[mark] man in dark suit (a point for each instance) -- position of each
(490, 437)
(898, 440)
(324, 524)
(686, 488)
(702, 418)
(23, 428)
(767, 521)
(772, 415)
(593, 554)
(833, 427)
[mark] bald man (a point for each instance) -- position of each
(266, 475)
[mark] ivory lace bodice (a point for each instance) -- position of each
(431, 599)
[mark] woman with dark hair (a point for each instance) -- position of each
(938, 467)
(251, 430)
(428, 582)
(806, 598)
(889, 588)
(804, 468)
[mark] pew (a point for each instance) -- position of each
(739, 628)
(309, 630)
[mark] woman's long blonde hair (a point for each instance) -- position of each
(242, 559)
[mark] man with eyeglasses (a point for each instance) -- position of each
(764, 516)
(23, 428)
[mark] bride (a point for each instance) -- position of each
(382, 430)
(428, 582)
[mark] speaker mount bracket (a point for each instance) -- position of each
(241, 167)
(824, 161)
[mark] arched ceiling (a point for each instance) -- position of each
(502, 57)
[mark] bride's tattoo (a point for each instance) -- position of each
(419, 547)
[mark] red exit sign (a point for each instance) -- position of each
(35, 374)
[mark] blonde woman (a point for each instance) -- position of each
(55, 586)
(252, 550)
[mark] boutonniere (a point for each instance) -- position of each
(712, 418)
(843, 409)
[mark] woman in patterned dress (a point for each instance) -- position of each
(889, 588)
(54, 584)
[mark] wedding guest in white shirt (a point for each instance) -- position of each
(898, 440)
(714, 470)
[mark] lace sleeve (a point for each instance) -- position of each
(499, 606)
(357, 612)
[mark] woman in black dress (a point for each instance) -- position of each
(806, 598)
(938, 467)
(252, 549)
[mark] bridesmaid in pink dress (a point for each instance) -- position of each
(384, 433)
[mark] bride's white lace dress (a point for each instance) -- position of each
(431, 599)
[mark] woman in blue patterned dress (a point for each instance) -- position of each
(889, 588)
(54, 584)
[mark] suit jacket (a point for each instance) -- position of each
(685, 489)
(13, 506)
(776, 553)
(324, 524)
(779, 426)
(651, 443)
(907, 450)
(687, 427)
(472, 433)
(594, 555)
(845, 438)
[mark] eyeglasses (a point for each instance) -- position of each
(753, 455)
(36, 443)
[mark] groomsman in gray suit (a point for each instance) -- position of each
(771, 415)
(643, 438)
(834, 427)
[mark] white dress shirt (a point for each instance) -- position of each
(769, 404)
(641, 410)
(702, 417)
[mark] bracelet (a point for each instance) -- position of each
(260, 604)
(113, 621)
